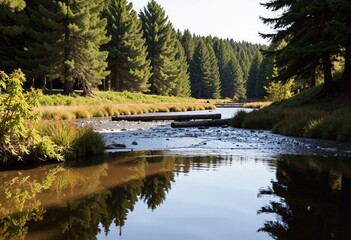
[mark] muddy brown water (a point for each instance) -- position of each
(217, 183)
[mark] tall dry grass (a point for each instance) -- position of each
(106, 110)
(75, 141)
(301, 122)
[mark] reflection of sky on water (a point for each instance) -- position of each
(217, 203)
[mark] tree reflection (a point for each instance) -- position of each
(312, 199)
(18, 201)
(73, 202)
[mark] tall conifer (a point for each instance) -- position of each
(188, 45)
(127, 51)
(253, 76)
(182, 87)
(201, 74)
(215, 77)
(11, 34)
(160, 42)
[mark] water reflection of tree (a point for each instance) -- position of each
(314, 199)
(84, 201)
(18, 201)
(83, 204)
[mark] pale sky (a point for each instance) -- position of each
(237, 19)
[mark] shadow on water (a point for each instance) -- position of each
(313, 199)
(310, 197)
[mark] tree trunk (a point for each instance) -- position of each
(328, 89)
(68, 88)
(152, 85)
(202, 123)
(42, 82)
(49, 84)
(180, 117)
(87, 91)
(68, 83)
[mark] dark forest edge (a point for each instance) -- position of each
(305, 116)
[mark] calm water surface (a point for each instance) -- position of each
(179, 195)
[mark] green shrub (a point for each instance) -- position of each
(238, 119)
(278, 91)
(88, 143)
(19, 142)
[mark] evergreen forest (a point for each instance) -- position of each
(105, 44)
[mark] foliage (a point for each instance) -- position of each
(127, 51)
(75, 141)
(278, 91)
(18, 141)
(302, 121)
(253, 76)
(19, 204)
(161, 47)
(310, 41)
(204, 83)
(13, 5)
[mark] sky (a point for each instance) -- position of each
(237, 19)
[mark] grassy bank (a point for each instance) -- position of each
(107, 104)
(73, 142)
(301, 116)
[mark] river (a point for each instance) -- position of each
(216, 183)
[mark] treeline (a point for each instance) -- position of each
(85, 44)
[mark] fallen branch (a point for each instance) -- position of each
(167, 117)
(206, 123)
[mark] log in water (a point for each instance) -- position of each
(206, 123)
(167, 117)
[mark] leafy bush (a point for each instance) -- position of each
(18, 142)
(278, 91)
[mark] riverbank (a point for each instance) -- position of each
(305, 116)
(158, 135)
(107, 104)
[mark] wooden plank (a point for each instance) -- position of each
(183, 117)
(205, 123)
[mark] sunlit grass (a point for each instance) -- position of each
(256, 105)
(110, 98)
(107, 110)
(300, 122)
(75, 141)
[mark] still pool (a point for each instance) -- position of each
(179, 195)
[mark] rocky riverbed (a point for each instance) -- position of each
(158, 135)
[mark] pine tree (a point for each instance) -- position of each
(340, 28)
(11, 35)
(42, 31)
(188, 45)
(224, 54)
(264, 74)
(76, 50)
(201, 72)
(215, 77)
(244, 63)
(253, 75)
(233, 85)
(182, 88)
(304, 28)
(127, 51)
(160, 42)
